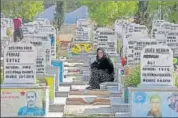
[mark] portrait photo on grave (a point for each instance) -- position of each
(23, 102)
(154, 104)
(31, 109)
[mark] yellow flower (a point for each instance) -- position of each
(76, 49)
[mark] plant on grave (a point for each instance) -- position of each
(175, 75)
(133, 78)
(1, 77)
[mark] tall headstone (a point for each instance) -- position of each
(172, 40)
(83, 30)
(20, 63)
(32, 31)
(107, 39)
(157, 66)
(41, 61)
(155, 26)
(139, 47)
(49, 30)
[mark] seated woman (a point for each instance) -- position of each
(102, 70)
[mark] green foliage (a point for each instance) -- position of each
(176, 79)
(104, 13)
(26, 10)
(169, 9)
(133, 78)
(59, 15)
(1, 77)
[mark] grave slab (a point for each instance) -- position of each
(88, 92)
(88, 101)
(54, 114)
(64, 89)
(118, 114)
(58, 106)
(118, 105)
(88, 109)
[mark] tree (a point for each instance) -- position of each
(26, 10)
(104, 13)
(165, 10)
(59, 15)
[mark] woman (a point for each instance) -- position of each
(102, 70)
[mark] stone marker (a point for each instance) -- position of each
(20, 63)
(83, 30)
(157, 65)
(107, 39)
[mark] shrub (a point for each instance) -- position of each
(176, 79)
(133, 78)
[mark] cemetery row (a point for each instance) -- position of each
(33, 60)
(153, 74)
(27, 64)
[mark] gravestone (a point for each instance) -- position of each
(41, 53)
(20, 63)
(55, 71)
(32, 31)
(4, 43)
(42, 21)
(161, 33)
(83, 30)
(59, 64)
(107, 39)
(157, 66)
(130, 52)
(155, 26)
(7, 27)
(172, 40)
(156, 84)
(51, 32)
(139, 47)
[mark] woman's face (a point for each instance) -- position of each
(100, 54)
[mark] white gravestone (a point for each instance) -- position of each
(139, 47)
(50, 30)
(172, 40)
(20, 63)
(83, 30)
(130, 52)
(107, 40)
(155, 27)
(41, 47)
(7, 28)
(4, 43)
(42, 21)
(157, 65)
(33, 30)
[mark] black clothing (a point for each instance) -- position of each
(102, 70)
(103, 64)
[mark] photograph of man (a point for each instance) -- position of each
(155, 106)
(31, 109)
